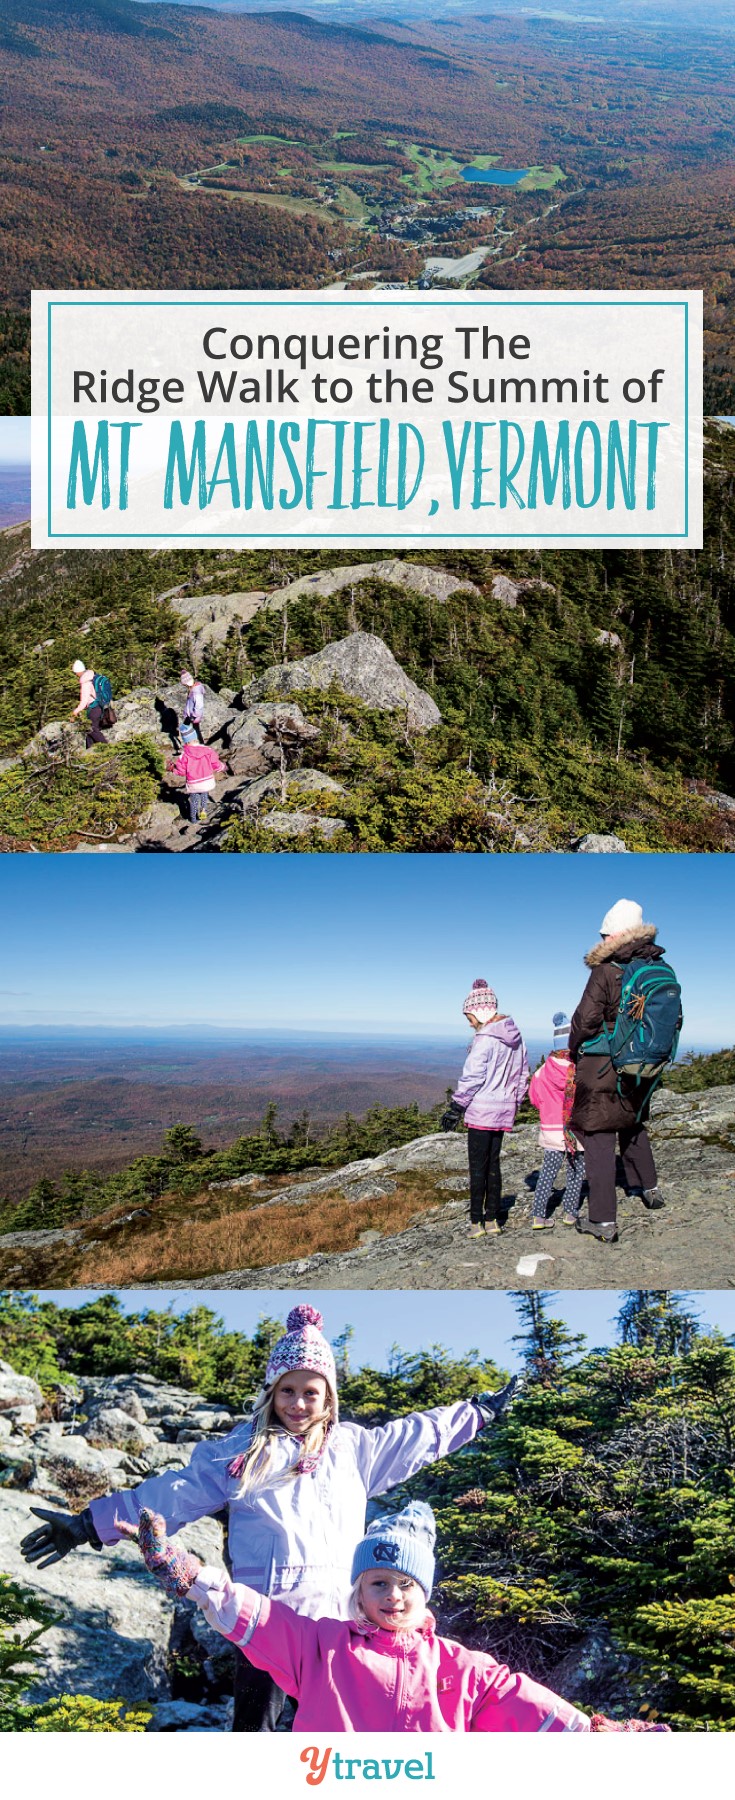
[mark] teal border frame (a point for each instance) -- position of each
(257, 537)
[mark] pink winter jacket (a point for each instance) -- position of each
(348, 1677)
(87, 695)
(546, 1093)
(198, 764)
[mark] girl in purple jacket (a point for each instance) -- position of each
(294, 1481)
(491, 1087)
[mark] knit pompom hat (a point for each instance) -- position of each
(481, 1003)
(401, 1542)
(562, 1028)
(625, 915)
(303, 1347)
(186, 678)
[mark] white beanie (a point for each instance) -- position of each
(623, 916)
(78, 668)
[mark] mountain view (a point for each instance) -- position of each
(438, 701)
(160, 145)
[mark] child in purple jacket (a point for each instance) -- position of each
(491, 1087)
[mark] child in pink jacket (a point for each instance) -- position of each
(385, 1669)
(552, 1093)
(198, 764)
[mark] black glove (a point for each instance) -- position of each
(61, 1533)
(492, 1406)
(450, 1119)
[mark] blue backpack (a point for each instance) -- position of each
(103, 691)
(645, 1036)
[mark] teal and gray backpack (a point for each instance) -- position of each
(645, 1036)
(103, 691)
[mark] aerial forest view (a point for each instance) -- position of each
(584, 1538)
(444, 700)
(163, 146)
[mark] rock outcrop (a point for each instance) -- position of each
(416, 577)
(118, 1637)
(363, 666)
(689, 1244)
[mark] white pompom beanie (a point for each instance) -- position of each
(625, 915)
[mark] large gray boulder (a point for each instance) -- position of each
(271, 721)
(208, 618)
(113, 1637)
(416, 577)
(18, 1392)
(598, 843)
(363, 666)
(156, 713)
(111, 1428)
(296, 824)
(298, 781)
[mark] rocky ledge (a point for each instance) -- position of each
(117, 1637)
(688, 1245)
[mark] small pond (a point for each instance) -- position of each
(498, 177)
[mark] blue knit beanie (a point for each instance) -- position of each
(562, 1028)
(401, 1542)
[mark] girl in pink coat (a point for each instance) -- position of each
(552, 1093)
(384, 1669)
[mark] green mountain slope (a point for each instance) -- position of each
(579, 691)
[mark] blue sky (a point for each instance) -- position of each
(460, 1321)
(381, 944)
(15, 440)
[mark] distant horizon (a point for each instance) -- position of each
(383, 947)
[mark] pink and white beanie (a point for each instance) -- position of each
(481, 1003)
(303, 1347)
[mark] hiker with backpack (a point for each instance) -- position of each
(194, 708)
(199, 765)
(624, 1033)
(95, 698)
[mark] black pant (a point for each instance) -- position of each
(94, 721)
(599, 1155)
(258, 1702)
(483, 1149)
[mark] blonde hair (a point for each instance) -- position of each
(355, 1609)
(257, 1466)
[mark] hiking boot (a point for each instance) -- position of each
(653, 1199)
(543, 1225)
(493, 1228)
(476, 1230)
(606, 1234)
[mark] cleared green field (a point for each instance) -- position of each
(542, 178)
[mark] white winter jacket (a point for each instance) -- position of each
(295, 1539)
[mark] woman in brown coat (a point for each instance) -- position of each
(606, 1108)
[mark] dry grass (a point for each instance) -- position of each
(173, 1249)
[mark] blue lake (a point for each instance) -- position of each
(497, 177)
(15, 494)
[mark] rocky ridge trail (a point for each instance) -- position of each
(690, 1244)
(687, 1245)
(118, 1636)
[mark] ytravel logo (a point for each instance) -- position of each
(320, 1762)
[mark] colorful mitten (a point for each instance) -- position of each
(174, 1570)
(598, 1722)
